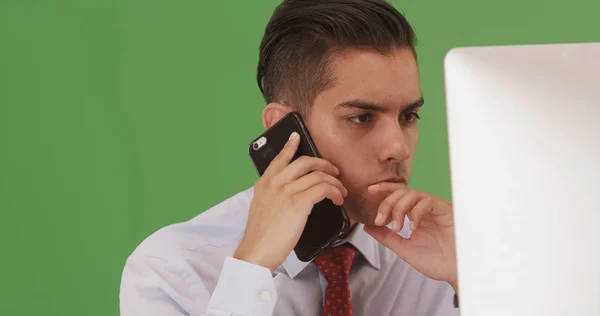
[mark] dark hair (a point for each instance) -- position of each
(303, 35)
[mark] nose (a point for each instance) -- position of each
(394, 146)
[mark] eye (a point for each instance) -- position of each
(361, 119)
(411, 117)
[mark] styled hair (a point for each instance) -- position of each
(303, 36)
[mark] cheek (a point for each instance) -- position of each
(347, 155)
(331, 143)
(337, 153)
(413, 142)
(355, 165)
(413, 136)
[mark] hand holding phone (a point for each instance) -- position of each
(283, 199)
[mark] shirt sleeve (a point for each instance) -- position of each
(152, 287)
(244, 289)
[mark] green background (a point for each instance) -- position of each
(121, 117)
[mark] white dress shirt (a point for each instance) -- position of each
(188, 269)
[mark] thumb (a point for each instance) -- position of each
(389, 239)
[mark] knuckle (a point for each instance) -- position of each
(271, 182)
(330, 188)
(304, 164)
(325, 189)
(327, 178)
(398, 210)
(331, 166)
(319, 174)
(287, 150)
(321, 187)
(278, 156)
(428, 204)
(325, 163)
(285, 189)
(385, 206)
(282, 154)
(319, 163)
(303, 160)
(336, 191)
(293, 204)
(337, 188)
(291, 151)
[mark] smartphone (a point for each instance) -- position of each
(327, 222)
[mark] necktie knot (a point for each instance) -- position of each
(334, 264)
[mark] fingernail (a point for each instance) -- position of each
(396, 226)
(412, 225)
(373, 187)
(294, 136)
(379, 219)
(345, 192)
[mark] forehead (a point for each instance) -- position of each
(391, 80)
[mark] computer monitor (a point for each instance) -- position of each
(524, 148)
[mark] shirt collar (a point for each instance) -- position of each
(363, 242)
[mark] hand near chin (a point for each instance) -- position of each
(431, 247)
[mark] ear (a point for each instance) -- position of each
(273, 112)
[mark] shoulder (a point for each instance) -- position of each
(177, 267)
(216, 227)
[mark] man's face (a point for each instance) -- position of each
(365, 124)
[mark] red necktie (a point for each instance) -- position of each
(334, 263)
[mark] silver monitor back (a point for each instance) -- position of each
(524, 136)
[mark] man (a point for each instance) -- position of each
(349, 67)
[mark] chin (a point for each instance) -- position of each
(362, 211)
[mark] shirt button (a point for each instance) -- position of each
(265, 296)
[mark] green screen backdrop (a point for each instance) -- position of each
(120, 117)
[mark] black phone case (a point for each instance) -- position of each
(325, 215)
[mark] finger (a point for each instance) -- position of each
(389, 239)
(312, 179)
(386, 206)
(423, 207)
(305, 165)
(386, 187)
(320, 192)
(402, 207)
(284, 157)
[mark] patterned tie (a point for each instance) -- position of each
(334, 263)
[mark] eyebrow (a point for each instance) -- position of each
(371, 106)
